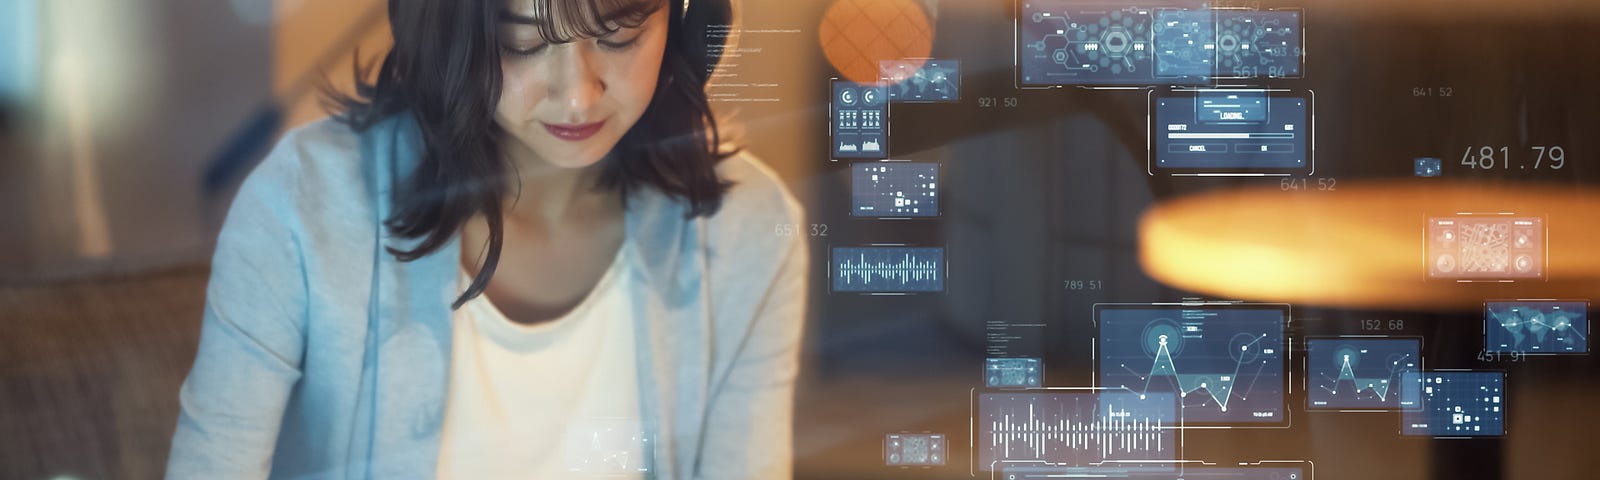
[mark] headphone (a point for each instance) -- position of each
(702, 53)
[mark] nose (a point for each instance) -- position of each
(575, 84)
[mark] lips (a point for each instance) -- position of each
(574, 132)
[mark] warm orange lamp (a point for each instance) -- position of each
(857, 34)
(1362, 245)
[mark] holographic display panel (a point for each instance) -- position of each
(914, 449)
(887, 269)
(1454, 404)
(1074, 428)
(1099, 43)
(1230, 131)
(1227, 363)
(894, 189)
(860, 121)
(1022, 470)
(1536, 326)
(1258, 43)
(921, 80)
(1075, 42)
(1012, 372)
(1359, 373)
(1485, 247)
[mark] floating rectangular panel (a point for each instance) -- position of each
(1486, 247)
(1226, 362)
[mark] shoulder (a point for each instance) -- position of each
(315, 170)
(323, 153)
(755, 232)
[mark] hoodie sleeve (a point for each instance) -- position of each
(252, 336)
(750, 419)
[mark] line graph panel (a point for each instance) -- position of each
(1226, 363)
(1359, 373)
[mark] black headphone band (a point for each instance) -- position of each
(699, 15)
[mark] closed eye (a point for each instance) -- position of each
(609, 44)
(524, 52)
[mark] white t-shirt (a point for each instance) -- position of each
(553, 400)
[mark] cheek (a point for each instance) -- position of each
(517, 93)
(639, 80)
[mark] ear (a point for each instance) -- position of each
(702, 54)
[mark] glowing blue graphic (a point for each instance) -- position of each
(1429, 167)
(1454, 404)
(1254, 44)
(608, 446)
(903, 449)
(1221, 131)
(1074, 428)
(888, 269)
(1167, 42)
(1185, 43)
(1231, 107)
(859, 128)
(894, 189)
(1025, 470)
(921, 80)
(1227, 363)
(1359, 373)
(1012, 372)
(1076, 42)
(1533, 326)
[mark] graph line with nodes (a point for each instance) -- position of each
(1537, 326)
(1359, 372)
(1220, 387)
(1226, 363)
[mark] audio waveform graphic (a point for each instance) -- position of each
(1076, 428)
(897, 269)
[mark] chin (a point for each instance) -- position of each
(565, 154)
(572, 158)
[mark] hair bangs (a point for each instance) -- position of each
(563, 21)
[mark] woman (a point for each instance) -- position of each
(521, 254)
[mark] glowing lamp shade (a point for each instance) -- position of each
(1362, 245)
(857, 34)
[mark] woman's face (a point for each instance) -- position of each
(568, 104)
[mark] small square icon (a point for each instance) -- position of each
(1429, 167)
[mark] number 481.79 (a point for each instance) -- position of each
(1485, 157)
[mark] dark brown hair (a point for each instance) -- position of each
(444, 71)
